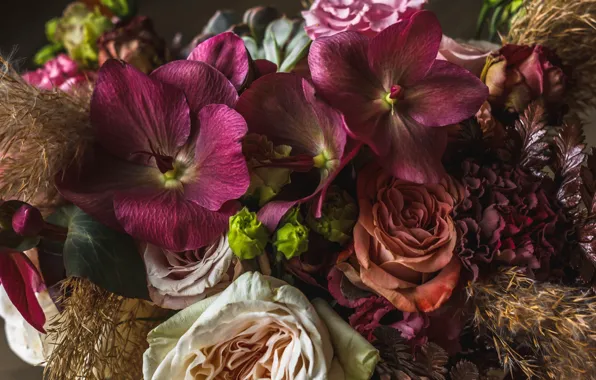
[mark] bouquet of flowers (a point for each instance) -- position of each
(346, 195)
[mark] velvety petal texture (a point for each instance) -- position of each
(227, 53)
(284, 108)
(156, 170)
(259, 327)
(21, 280)
(385, 86)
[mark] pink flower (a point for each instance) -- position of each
(162, 144)
(60, 72)
(369, 17)
(394, 93)
(471, 55)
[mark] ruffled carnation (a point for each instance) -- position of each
(328, 17)
(60, 72)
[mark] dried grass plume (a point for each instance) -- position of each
(99, 335)
(546, 331)
(41, 133)
(569, 28)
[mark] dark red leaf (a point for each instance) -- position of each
(535, 149)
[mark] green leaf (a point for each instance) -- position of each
(106, 257)
(271, 48)
(282, 30)
(51, 26)
(121, 8)
(220, 22)
(252, 47)
(297, 49)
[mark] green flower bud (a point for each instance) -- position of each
(339, 215)
(51, 29)
(265, 182)
(120, 8)
(47, 53)
(291, 239)
(247, 236)
(78, 31)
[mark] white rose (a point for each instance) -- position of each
(258, 328)
(26, 342)
(179, 279)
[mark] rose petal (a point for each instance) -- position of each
(166, 219)
(201, 83)
(404, 52)
(133, 113)
(222, 173)
(264, 67)
(431, 101)
(227, 53)
(92, 188)
(19, 277)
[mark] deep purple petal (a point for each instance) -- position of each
(272, 212)
(27, 221)
(283, 107)
(133, 113)
(447, 95)
(165, 218)
(92, 188)
(264, 67)
(221, 170)
(20, 278)
(404, 52)
(201, 83)
(340, 72)
(416, 151)
(227, 53)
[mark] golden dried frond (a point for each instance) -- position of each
(569, 28)
(556, 324)
(99, 335)
(41, 133)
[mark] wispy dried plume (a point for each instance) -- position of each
(41, 133)
(545, 330)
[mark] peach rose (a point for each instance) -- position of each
(404, 241)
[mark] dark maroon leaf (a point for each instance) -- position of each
(535, 150)
(464, 370)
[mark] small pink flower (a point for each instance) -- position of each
(328, 17)
(60, 72)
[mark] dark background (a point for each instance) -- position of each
(22, 33)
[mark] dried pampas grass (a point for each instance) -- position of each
(569, 28)
(99, 335)
(547, 331)
(41, 133)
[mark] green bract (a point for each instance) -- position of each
(121, 8)
(339, 216)
(291, 239)
(247, 236)
(78, 31)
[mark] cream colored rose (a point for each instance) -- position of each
(26, 342)
(258, 328)
(179, 279)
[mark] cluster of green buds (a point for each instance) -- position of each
(267, 34)
(247, 236)
(79, 28)
(291, 238)
(339, 216)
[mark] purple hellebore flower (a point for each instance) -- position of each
(283, 107)
(168, 157)
(392, 90)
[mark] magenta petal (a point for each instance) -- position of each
(19, 277)
(416, 152)
(132, 113)
(272, 212)
(201, 83)
(264, 67)
(340, 72)
(165, 218)
(404, 52)
(93, 187)
(221, 170)
(447, 95)
(227, 53)
(283, 107)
